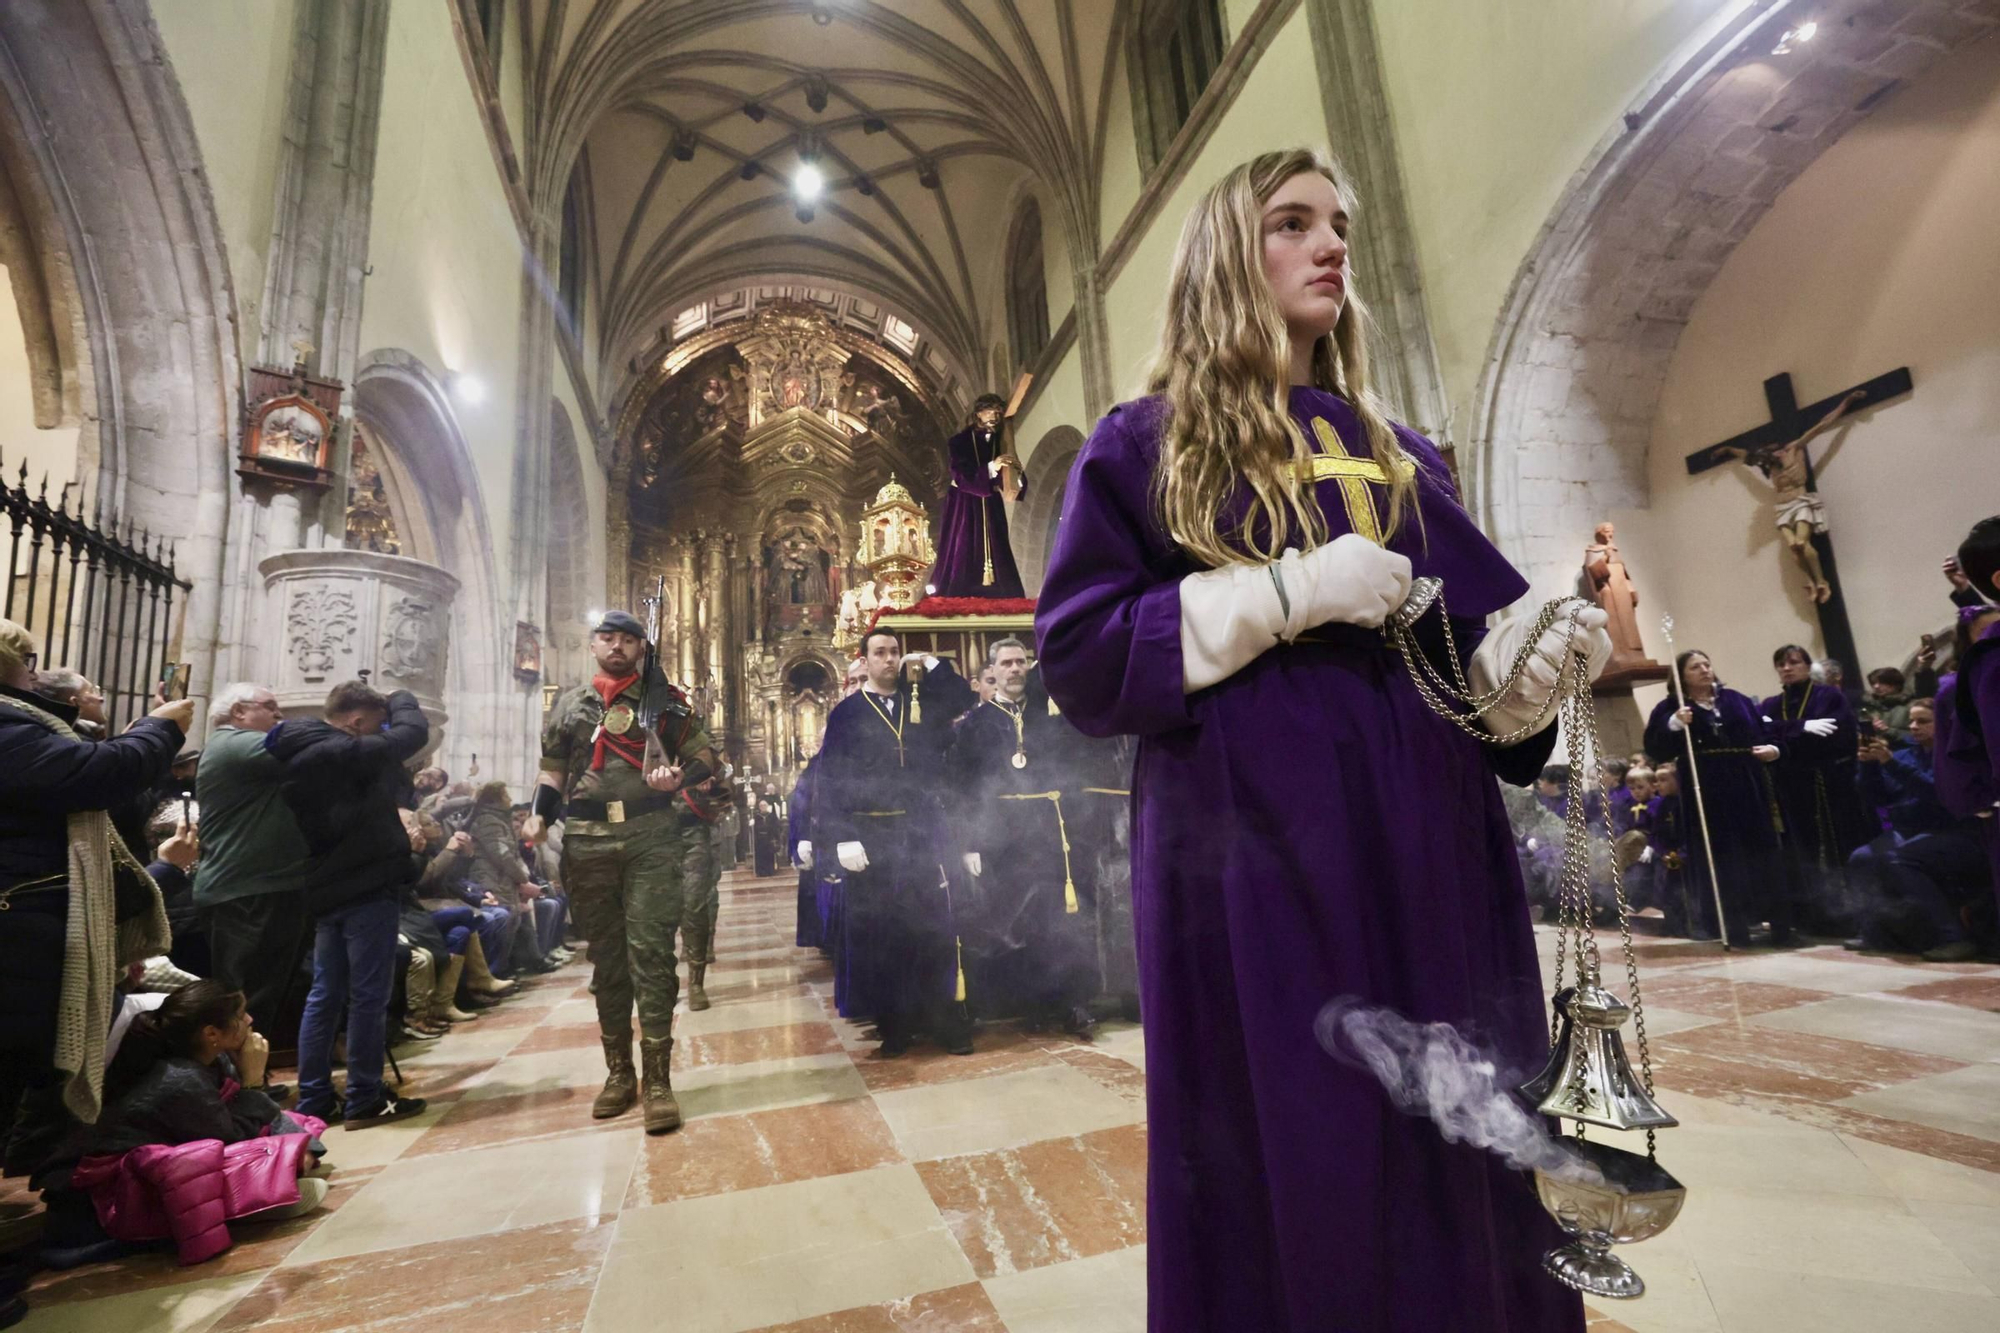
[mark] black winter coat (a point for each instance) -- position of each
(345, 791)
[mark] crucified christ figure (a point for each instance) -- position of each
(1800, 512)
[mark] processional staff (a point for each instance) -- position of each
(1694, 773)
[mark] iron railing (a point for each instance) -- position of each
(98, 601)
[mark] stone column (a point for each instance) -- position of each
(715, 587)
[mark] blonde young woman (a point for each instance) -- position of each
(1304, 828)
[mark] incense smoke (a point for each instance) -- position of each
(1428, 1069)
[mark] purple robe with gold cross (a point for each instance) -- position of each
(1304, 830)
(974, 557)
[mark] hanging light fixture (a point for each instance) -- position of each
(807, 184)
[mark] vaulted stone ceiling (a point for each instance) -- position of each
(684, 123)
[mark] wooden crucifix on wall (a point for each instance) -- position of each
(1780, 449)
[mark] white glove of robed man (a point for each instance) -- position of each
(1821, 726)
(1495, 655)
(853, 856)
(803, 854)
(973, 865)
(1232, 615)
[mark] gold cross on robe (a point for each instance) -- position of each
(1333, 463)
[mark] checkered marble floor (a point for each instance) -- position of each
(1841, 1145)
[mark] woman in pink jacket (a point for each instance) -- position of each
(187, 1143)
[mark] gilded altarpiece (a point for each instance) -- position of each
(745, 472)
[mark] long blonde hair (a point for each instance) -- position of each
(1224, 367)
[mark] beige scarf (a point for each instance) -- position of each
(95, 946)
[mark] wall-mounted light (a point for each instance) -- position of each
(1805, 32)
(467, 388)
(807, 183)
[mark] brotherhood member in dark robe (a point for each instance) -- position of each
(1732, 745)
(769, 833)
(1304, 826)
(830, 881)
(1035, 956)
(975, 559)
(798, 850)
(877, 799)
(1818, 788)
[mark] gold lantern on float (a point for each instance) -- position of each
(896, 545)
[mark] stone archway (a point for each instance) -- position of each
(425, 460)
(1035, 518)
(102, 153)
(1573, 379)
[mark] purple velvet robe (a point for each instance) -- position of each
(1741, 804)
(974, 523)
(1817, 781)
(1968, 743)
(1306, 829)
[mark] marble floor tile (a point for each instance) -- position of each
(1727, 1057)
(383, 1144)
(561, 1037)
(191, 1307)
(1931, 1026)
(542, 1281)
(736, 1014)
(766, 1085)
(1805, 972)
(569, 1067)
(450, 1196)
(963, 1309)
(1752, 1299)
(727, 1153)
(460, 1048)
(1005, 1111)
(754, 1045)
(484, 1122)
(1969, 1230)
(771, 1256)
(1786, 1156)
(1676, 1299)
(1127, 1041)
(1975, 992)
(1963, 1101)
(1044, 1203)
(1914, 1176)
(1719, 997)
(1102, 1294)
(1814, 1234)
(1662, 1021)
(996, 1049)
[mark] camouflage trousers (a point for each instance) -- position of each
(625, 885)
(701, 876)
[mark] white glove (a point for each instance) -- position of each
(853, 856)
(993, 468)
(1821, 726)
(973, 865)
(1646, 856)
(1231, 615)
(803, 854)
(1534, 844)
(1496, 653)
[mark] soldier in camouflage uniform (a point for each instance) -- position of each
(700, 816)
(615, 786)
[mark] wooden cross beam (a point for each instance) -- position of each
(1788, 422)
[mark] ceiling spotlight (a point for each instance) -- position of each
(816, 92)
(821, 14)
(874, 125)
(750, 170)
(927, 173)
(468, 389)
(864, 185)
(804, 212)
(807, 182)
(684, 142)
(754, 110)
(1805, 32)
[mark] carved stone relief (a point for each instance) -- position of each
(321, 623)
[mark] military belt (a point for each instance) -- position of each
(617, 812)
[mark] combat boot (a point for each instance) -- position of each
(663, 1113)
(621, 1085)
(697, 997)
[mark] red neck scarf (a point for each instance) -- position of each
(630, 750)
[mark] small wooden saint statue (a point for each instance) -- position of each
(1605, 582)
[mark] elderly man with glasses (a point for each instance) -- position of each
(253, 862)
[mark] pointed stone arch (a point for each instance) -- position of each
(1034, 526)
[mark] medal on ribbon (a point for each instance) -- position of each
(618, 719)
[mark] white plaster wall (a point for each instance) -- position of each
(1496, 106)
(1883, 253)
(1060, 403)
(232, 58)
(50, 453)
(446, 285)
